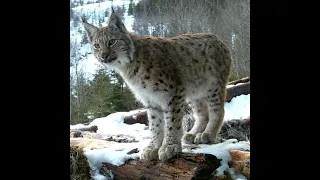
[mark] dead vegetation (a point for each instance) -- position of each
(79, 166)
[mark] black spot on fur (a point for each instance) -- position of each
(179, 97)
(171, 86)
(160, 80)
(135, 71)
(153, 117)
(147, 77)
(194, 60)
(170, 128)
(143, 84)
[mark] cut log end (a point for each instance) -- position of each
(241, 162)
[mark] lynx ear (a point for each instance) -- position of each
(89, 28)
(115, 22)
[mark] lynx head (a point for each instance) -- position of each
(111, 45)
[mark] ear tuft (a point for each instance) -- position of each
(116, 21)
(89, 28)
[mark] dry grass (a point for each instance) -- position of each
(79, 166)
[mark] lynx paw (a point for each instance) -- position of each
(150, 154)
(206, 138)
(188, 138)
(168, 151)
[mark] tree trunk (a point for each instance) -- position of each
(243, 80)
(237, 90)
(181, 167)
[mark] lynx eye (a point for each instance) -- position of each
(112, 42)
(96, 46)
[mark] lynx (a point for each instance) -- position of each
(164, 74)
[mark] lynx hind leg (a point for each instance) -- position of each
(156, 124)
(200, 109)
(215, 102)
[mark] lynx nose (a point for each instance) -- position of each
(104, 55)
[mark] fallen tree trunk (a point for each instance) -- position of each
(243, 80)
(87, 128)
(181, 167)
(237, 90)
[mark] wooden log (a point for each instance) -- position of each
(181, 167)
(237, 90)
(241, 162)
(243, 80)
(140, 117)
(88, 128)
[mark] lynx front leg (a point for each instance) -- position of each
(171, 144)
(156, 122)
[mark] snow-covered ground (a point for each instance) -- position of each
(238, 108)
